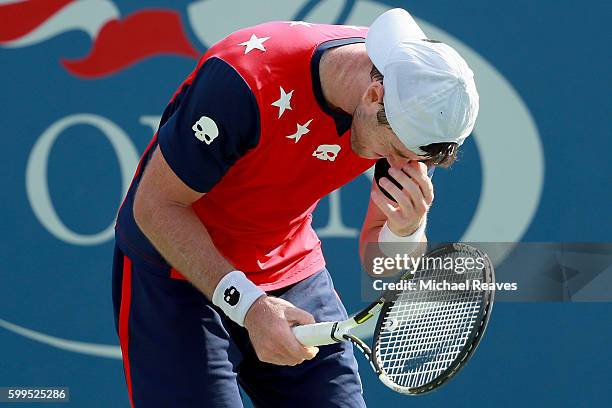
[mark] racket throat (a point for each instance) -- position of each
(340, 330)
(369, 312)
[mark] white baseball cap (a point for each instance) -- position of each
(430, 94)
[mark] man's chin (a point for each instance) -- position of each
(369, 156)
(363, 152)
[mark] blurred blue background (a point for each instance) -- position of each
(537, 169)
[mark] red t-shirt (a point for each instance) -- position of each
(262, 144)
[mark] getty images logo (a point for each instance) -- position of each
(504, 130)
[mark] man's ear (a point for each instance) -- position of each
(374, 93)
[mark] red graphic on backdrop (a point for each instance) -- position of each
(18, 19)
(117, 43)
(123, 43)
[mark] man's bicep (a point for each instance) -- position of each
(160, 185)
(215, 122)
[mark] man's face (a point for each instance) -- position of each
(373, 140)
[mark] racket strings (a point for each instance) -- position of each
(430, 346)
(424, 331)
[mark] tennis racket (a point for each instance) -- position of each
(422, 337)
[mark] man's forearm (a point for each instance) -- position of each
(368, 236)
(369, 245)
(177, 233)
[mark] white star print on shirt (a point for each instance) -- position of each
(284, 102)
(253, 43)
(301, 131)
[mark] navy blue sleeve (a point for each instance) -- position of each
(209, 125)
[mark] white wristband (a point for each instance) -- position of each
(388, 241)
(235, 294)
(386, 235)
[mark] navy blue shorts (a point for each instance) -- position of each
(181, 351)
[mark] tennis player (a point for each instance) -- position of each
(215, 256)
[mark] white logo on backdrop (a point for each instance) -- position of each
(37, 185)
(505, 133)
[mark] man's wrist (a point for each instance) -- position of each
(386, 235)
(391, 244)
(235, 294)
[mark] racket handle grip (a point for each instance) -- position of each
(317, 334)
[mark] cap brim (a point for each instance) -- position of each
(389, 29)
